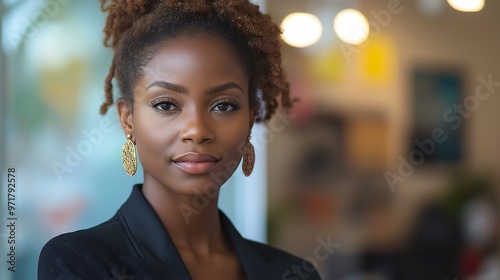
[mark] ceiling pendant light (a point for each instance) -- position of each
(351, 26)
(301, 30)
(467, 5)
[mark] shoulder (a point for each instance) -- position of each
(68, 257)
(78, 255)
(293, 265)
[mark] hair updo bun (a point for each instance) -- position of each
(135, 28)
(121, 16)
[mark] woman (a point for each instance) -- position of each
(189, 73)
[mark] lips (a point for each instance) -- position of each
(194, 163)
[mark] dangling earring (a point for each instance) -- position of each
(128, 156)
(248, 158)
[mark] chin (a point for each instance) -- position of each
(196, 185)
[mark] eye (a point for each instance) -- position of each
(164, 105)
(226, 106)
(223, 107)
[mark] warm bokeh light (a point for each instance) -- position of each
(467, 5)
(351, 26)
(301, 30)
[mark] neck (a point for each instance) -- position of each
(192, 221)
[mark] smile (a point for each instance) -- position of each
(196, 164)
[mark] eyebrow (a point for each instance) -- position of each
(169, 86)
(184, 90)
(223, 87)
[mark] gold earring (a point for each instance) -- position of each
(128, 156)
(248, 158)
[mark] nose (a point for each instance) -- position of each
(196, 128)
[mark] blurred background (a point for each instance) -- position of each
(387, 168)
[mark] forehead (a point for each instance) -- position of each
(194, 55)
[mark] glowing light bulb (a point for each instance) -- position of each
(301, 30)
(467, 5)
(351, 26)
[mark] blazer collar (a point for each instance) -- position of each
(148, 235)
(151, 240)
(254, 264)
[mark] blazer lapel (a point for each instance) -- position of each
(150, 238)
(256, 265)
(156, 250)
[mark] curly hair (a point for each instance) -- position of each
(136, 28)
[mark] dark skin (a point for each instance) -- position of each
(193, 98)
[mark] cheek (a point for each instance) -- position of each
(233, 137)
(152, 136)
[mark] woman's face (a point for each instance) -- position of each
(191, 115)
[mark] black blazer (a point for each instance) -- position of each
(134, 244)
